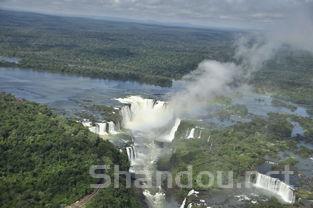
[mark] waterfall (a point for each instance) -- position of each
(131, 153)
(97, 129)
(184, 203)
(126, 115)
(171, 136)
(143, 114)
(149, 121)
(102, 129)
(86, 123)
(200, 134)
(187, 133)
(275, 186)
(191, 192)
(94, 129)
(111, 129)
(155, 200)
(191, 134)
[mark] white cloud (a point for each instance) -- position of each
(236, 13)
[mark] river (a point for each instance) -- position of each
(71, 95)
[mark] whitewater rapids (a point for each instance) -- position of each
(151, 122)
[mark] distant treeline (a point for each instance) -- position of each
(109, 50)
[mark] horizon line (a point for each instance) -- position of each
(130, 20)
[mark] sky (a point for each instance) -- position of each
(254, 14)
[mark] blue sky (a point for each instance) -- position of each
(209, 13)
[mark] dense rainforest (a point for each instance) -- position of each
(108, 49)
(45, 159)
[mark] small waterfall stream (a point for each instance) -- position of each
(131, 153)
(102, 129)
(191, 134)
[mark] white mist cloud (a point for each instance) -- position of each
(145, 114)
(209, 80)
(295, 31)
(212, 78)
